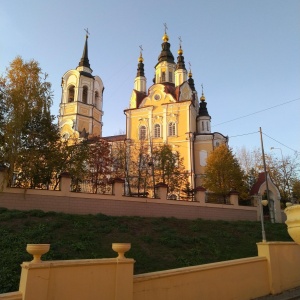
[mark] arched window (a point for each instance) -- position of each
(71, 93)
(207, 126)
(156, 130)
(84, 94)
(163, 76)
(202, 125)
(142, 133)
(172, 129)
(170, 77)
(97, 99)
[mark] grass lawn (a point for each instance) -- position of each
(156, 243)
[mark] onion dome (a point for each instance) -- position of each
(140, 69)
(203, 109)
(180, 60)
(191, 81)
(166, 54)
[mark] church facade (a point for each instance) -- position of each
(168, 112)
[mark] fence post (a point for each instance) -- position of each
(200, 194)
(3, 179)
(161, 190)
(65, 182)
(118, 187)
(234, 198)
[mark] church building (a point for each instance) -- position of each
(168, 112)
(80, 113)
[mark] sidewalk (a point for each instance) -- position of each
(293, 294)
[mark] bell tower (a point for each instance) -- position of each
(80, 113)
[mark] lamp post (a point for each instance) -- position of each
(261, 204)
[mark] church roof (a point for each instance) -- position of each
(115, 138)
(84, 62)
(165, 54)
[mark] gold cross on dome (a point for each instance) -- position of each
(180, 41)
(87, 31)
(166, 27)
(141, 49)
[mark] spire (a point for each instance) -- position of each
(84, 62)
(203, 109)
(180, 58)
(166, 54)
(191, 80)
(140, 69)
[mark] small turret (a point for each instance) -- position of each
(165, 68)
(181, 72)
(203, 119)
(140, 79)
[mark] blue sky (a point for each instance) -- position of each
(245, 53)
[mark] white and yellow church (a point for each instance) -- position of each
(168, 112)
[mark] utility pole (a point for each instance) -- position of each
(266, 178)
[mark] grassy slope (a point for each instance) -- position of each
(157, 243)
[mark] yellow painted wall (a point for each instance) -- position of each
(224, 280)
(274, 270)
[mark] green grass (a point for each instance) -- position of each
(156, 243)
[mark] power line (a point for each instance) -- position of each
(259, 111)
(281, 143)
(243, 134)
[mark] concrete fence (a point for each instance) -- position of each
(119, 205)
(274, 270)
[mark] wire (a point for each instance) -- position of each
(256, 112)
(244, 134)
(281, 143)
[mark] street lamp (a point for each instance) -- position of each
(261, 204)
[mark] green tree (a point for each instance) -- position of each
(223, 173)
(169, 168)
(72, 156)
(26, 96)
(38, 150)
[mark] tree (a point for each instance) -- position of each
(72, 155)
(169, 168)
(99, 164)
(38, 150)
(296, 190)
(283, 171)
(223, 173)
(26, 98)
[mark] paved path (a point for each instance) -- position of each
(293, 294)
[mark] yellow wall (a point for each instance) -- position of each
(274, 270)
(163, 111)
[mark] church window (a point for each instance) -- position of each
(170, 77)
(172, 129)
(202, 126)
(207, 126)
(163, 76)
(97, 99)
(142, 134)
(203, 157)
(156, 130)
(84, 94)
(71, 93)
